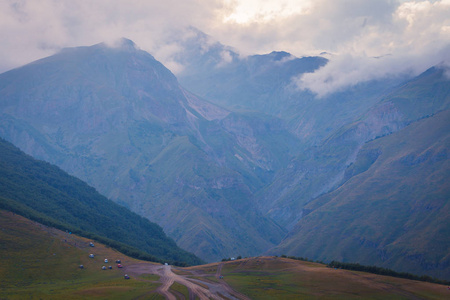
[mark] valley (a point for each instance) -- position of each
(241, 174)
(226, 149)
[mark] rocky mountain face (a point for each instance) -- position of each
(233, 174)
(118, 119)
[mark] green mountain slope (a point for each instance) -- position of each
(44, 192)
(321, 168)
(393, 209)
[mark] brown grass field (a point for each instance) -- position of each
(283, 278)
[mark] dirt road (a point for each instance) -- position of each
(202, 289)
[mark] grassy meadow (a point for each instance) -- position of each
(39, 262)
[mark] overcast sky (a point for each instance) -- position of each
(367, 38)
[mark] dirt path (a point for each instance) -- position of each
(230, 293)
(197, 288)
(219, 270)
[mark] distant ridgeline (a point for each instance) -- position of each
(44, 193)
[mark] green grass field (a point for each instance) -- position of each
(180, 289)
(38, 262)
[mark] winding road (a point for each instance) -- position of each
(203, 289)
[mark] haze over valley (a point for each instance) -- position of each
(327, 156)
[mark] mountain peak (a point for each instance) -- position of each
(279, 55)
(124, 44)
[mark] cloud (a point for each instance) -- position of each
(33, 29)
(369, 39)
(417, 37)
(406, 36)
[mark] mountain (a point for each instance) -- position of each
(392, 209)
(267, 84)
(119, 120)
(226, 176)
(332, 132)
(250, 83)
(321, 168)
(45, 193)
(260, 83)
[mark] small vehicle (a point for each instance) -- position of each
(106, 260)
(91, 255)
(103, 268)
(110, 267)
(119, 266)
(91, 244)
(118, 261)
(126, 276)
